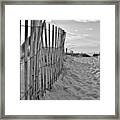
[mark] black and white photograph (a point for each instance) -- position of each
(60, 55)
(59, 60)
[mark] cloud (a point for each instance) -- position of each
(85, 35)
(92, 20)
(90, 29)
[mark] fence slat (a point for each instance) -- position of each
(42, 45)
(53, 55)
(20, 63)
(49, 34)
(31, 59)
(38, 60)
(45, 35)
(52, 36)
(46, 57)
(25, 65)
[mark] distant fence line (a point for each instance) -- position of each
(41, 59)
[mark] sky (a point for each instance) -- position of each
(81, 35)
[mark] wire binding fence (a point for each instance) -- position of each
(41, 58)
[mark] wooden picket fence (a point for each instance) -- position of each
(41, 59)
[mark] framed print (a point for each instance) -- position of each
(60, 59)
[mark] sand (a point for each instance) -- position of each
(80, 80)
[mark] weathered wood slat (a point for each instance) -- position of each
(55, 53)
(20, 63)
(38, 59)
(42, 45)
(25, 65)
(49, 59)
(58, 51)
(32, 58)
(52, 36)
(31, 62)
(45, 35)
(43, 68)
(35, 59)
(42, 63)
(46, 57)
(49, 34)
(42, 78)
(52, 56)
(49, 72)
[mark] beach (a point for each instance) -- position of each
(79, 80)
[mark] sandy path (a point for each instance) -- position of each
(80, 80)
